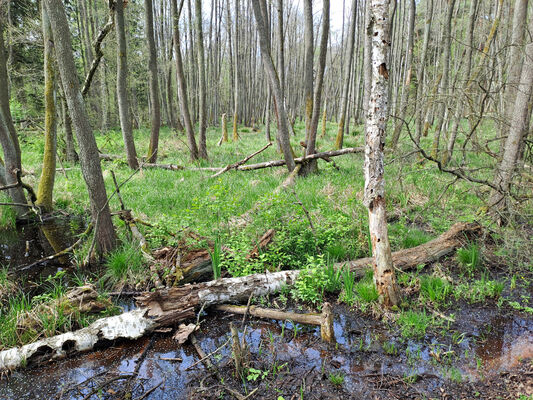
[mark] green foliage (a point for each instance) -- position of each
(403, 237)
(413, 324)
(366, 291)
(348, 284)
(478, 290)
(336, 378)
(7, 214)
(216, 256)
(311, 282)
(125, 264)
(333, 281)
(434, 289)
(469, 258)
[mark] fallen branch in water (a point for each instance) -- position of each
(324, 320)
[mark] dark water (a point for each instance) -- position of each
(29, 243)
(492, 344)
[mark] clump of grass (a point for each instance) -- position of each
(9, 333)
(434, 289)
(415, 237)
(336, 378)
(348, 285)
(469, 258)
(333, 275)
(7, 215)
(125, 264)
(414, 324)
(366, 290)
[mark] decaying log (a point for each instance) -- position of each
(426, 253)
(169, 307)
(324, 319)
(130, 325)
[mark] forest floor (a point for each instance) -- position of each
(463, 331)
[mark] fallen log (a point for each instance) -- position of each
(175, 167)
(426, 253)
(169, 307)
(324, 319)
(241, 162)
(324, 155)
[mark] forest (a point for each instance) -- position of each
(266, 199)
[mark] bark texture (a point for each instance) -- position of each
(90, 162)
(122, 88)
(374, 193)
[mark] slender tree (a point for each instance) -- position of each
(155, 105)
(374, 193)
(46, 183)
(122, 87)
(182, 83)
(202, 145)
(270, 70)
(346, 77)
(90, 162)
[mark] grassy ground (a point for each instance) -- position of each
(424, 201)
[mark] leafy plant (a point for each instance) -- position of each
(469, 258)
(336, 378)
(434, 289)
(311, 281)
(216, 258)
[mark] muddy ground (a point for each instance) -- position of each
(491, 360)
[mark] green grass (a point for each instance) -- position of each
(125, 264)
(336, 378)
(414, 324)
(469, 258)
(434, 289)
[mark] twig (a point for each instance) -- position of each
(243, 161)
(299, 202)
(106, 383)
(206, 356)
(149, 392)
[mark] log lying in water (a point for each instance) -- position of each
(169, 307)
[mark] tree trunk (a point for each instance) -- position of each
(311, 140)
(281, 113)
(407, 81)
(444, 90)
(90, 162)
(308, 66)
(180, 77)
(517, 130)
(374, 194)
(46, 183)
(346, 77)
(4, 93)
(202, 145)
(155, 107)
(122, 87)
(8, 135)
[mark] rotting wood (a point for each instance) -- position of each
(175, 167)
(169, 307)
(324, 319)
(426, 253)
(241, 162)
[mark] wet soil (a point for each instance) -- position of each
(29, 243)
(487, 354)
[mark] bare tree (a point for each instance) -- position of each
(374, 194)
(270, 70)
(46, 182)
(122, 87)
(90, 162)
(202, 146)
(155, 107)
